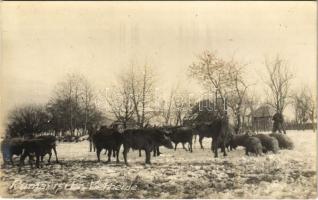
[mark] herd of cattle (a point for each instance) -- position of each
(149, 140)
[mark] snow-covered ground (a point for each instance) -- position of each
(175, 174)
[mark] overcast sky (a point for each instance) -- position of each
(42, 41)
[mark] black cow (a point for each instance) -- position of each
(251, 144)
(109, 139)
(181, 135)
(156, 149)
(51, 140)
(227, 139)
(284, 141)
(219, 131)
(203, 130)
(146, 139)
(10, 147)
(38, 147)
(238, 140)
(268, 143)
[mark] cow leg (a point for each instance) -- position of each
(31, 161)
(4, 160)
(126, 149)
(190, 146)
(41, 164)
(54, 149)
(154, 151)
(139, 152)
(215, 148)
(158, 152)
(147, 151)
(41, 158)
(50, 155)
(175, 146)
(200, 141)
(184, 147)
(11, 160)
(223, 148)
(117, 157)
(246, 151)
(98, 154)
(37, 162)
(23, 156)
(109, 155)
(114, 154)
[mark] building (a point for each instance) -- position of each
(262, 118)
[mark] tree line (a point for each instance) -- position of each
(73, 107)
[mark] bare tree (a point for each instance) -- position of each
(69, 92)
(182, 104)
(87, 99)
(141, 81)
(237, 92)
(313, 110)
(211, 71)
(225, 78)
(301, 108)
(251, 103)
(120, 101)
(278, 83)
(166, 108)
(72, 106)
(304, 106)
(132, 95)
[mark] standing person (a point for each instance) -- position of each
(278, 123)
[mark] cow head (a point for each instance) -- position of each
(165, 140)
(166, 131)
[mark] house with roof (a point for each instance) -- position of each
(262, 118)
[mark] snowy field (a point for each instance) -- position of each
(175, 174)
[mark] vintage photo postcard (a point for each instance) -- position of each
(160, 100)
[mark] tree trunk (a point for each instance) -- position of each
(313, 119)
(85, 124)
(90, 145)
(238, 118)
